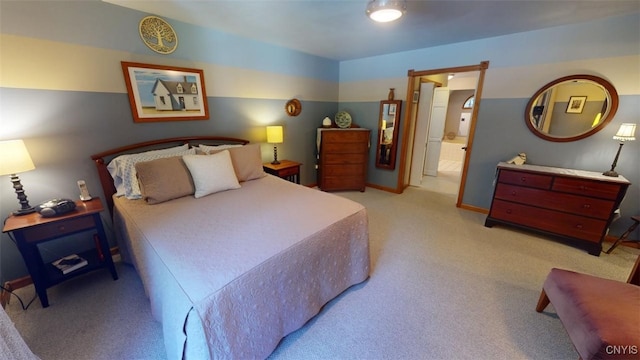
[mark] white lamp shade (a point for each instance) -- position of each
(274, 134)
(14, 157)
(626, 132)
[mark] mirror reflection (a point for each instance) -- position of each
(388, 125)
(571, 108)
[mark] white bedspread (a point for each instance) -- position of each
(240, 269)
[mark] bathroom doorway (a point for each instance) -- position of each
(456, 177)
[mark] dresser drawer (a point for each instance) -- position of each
(346, 170)
(548, 220)
(47, 231)
(525, 179)
(575, 204)
(342, 136)
(344, 159)
(586, 187)
(343, 183)
(344, 148)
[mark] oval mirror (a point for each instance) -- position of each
(571, 108)
(388, 125)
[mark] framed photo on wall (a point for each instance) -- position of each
(576, 104)
(392, 109)
(165, 93)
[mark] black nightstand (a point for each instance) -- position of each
(33, 229)
(287, 169)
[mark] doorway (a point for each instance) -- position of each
(443, 173)
(410, 157)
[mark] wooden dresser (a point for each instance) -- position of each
(342, 158)
(573, 205)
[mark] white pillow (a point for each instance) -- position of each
(123, 171)
(211, 173)
(206, 149)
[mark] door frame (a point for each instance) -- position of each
(410, 122)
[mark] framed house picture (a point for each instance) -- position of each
(165, 93)
(576, 104)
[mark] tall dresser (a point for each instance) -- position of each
(342, 158)
(572, 205)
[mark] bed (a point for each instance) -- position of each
(231, 272)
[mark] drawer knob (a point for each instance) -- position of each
(579, 226)
(509, 211)
(523, 179)
(587, 206)
(514, 193)
(582, 188)
(61, 228)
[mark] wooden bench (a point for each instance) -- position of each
(601, 316)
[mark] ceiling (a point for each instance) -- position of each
(340, 30)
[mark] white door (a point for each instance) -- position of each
(463, 128)
(436, 130)
(420, 133)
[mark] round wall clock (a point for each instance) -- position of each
(343, 119)
(293, 107)
(158, 35)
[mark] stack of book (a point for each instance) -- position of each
(70, 263)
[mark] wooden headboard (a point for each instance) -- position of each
(102, 159)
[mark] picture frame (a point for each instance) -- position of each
(392, 109)
(165, 93)
(576, 104)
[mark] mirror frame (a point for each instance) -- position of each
(391, 164)
(613, 108)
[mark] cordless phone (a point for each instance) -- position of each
(84, 192)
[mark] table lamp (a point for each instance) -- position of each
(625, 133)
(274, 136)
(14, 159)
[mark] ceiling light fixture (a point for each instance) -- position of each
(386, 10)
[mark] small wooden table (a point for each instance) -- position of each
(287, 169)
(33, 229)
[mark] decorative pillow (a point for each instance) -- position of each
(211, 173)
(164, 179)
(247, 162)
(123, 170)
(205, 149)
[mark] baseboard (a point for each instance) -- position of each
(384, 188)
(12, 285)
(5, 295)
(474, 208)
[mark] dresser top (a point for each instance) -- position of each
(583, 174)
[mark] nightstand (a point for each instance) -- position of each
(33, 229)
(287, 169)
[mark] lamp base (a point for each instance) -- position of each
(22, 197)
(610, 173)
(21, 212)
(275, 156)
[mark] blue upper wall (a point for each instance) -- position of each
(91, 23)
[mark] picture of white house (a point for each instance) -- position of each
(175, 95)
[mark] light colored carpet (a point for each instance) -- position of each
(442, 286)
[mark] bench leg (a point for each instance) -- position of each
(542, 302)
